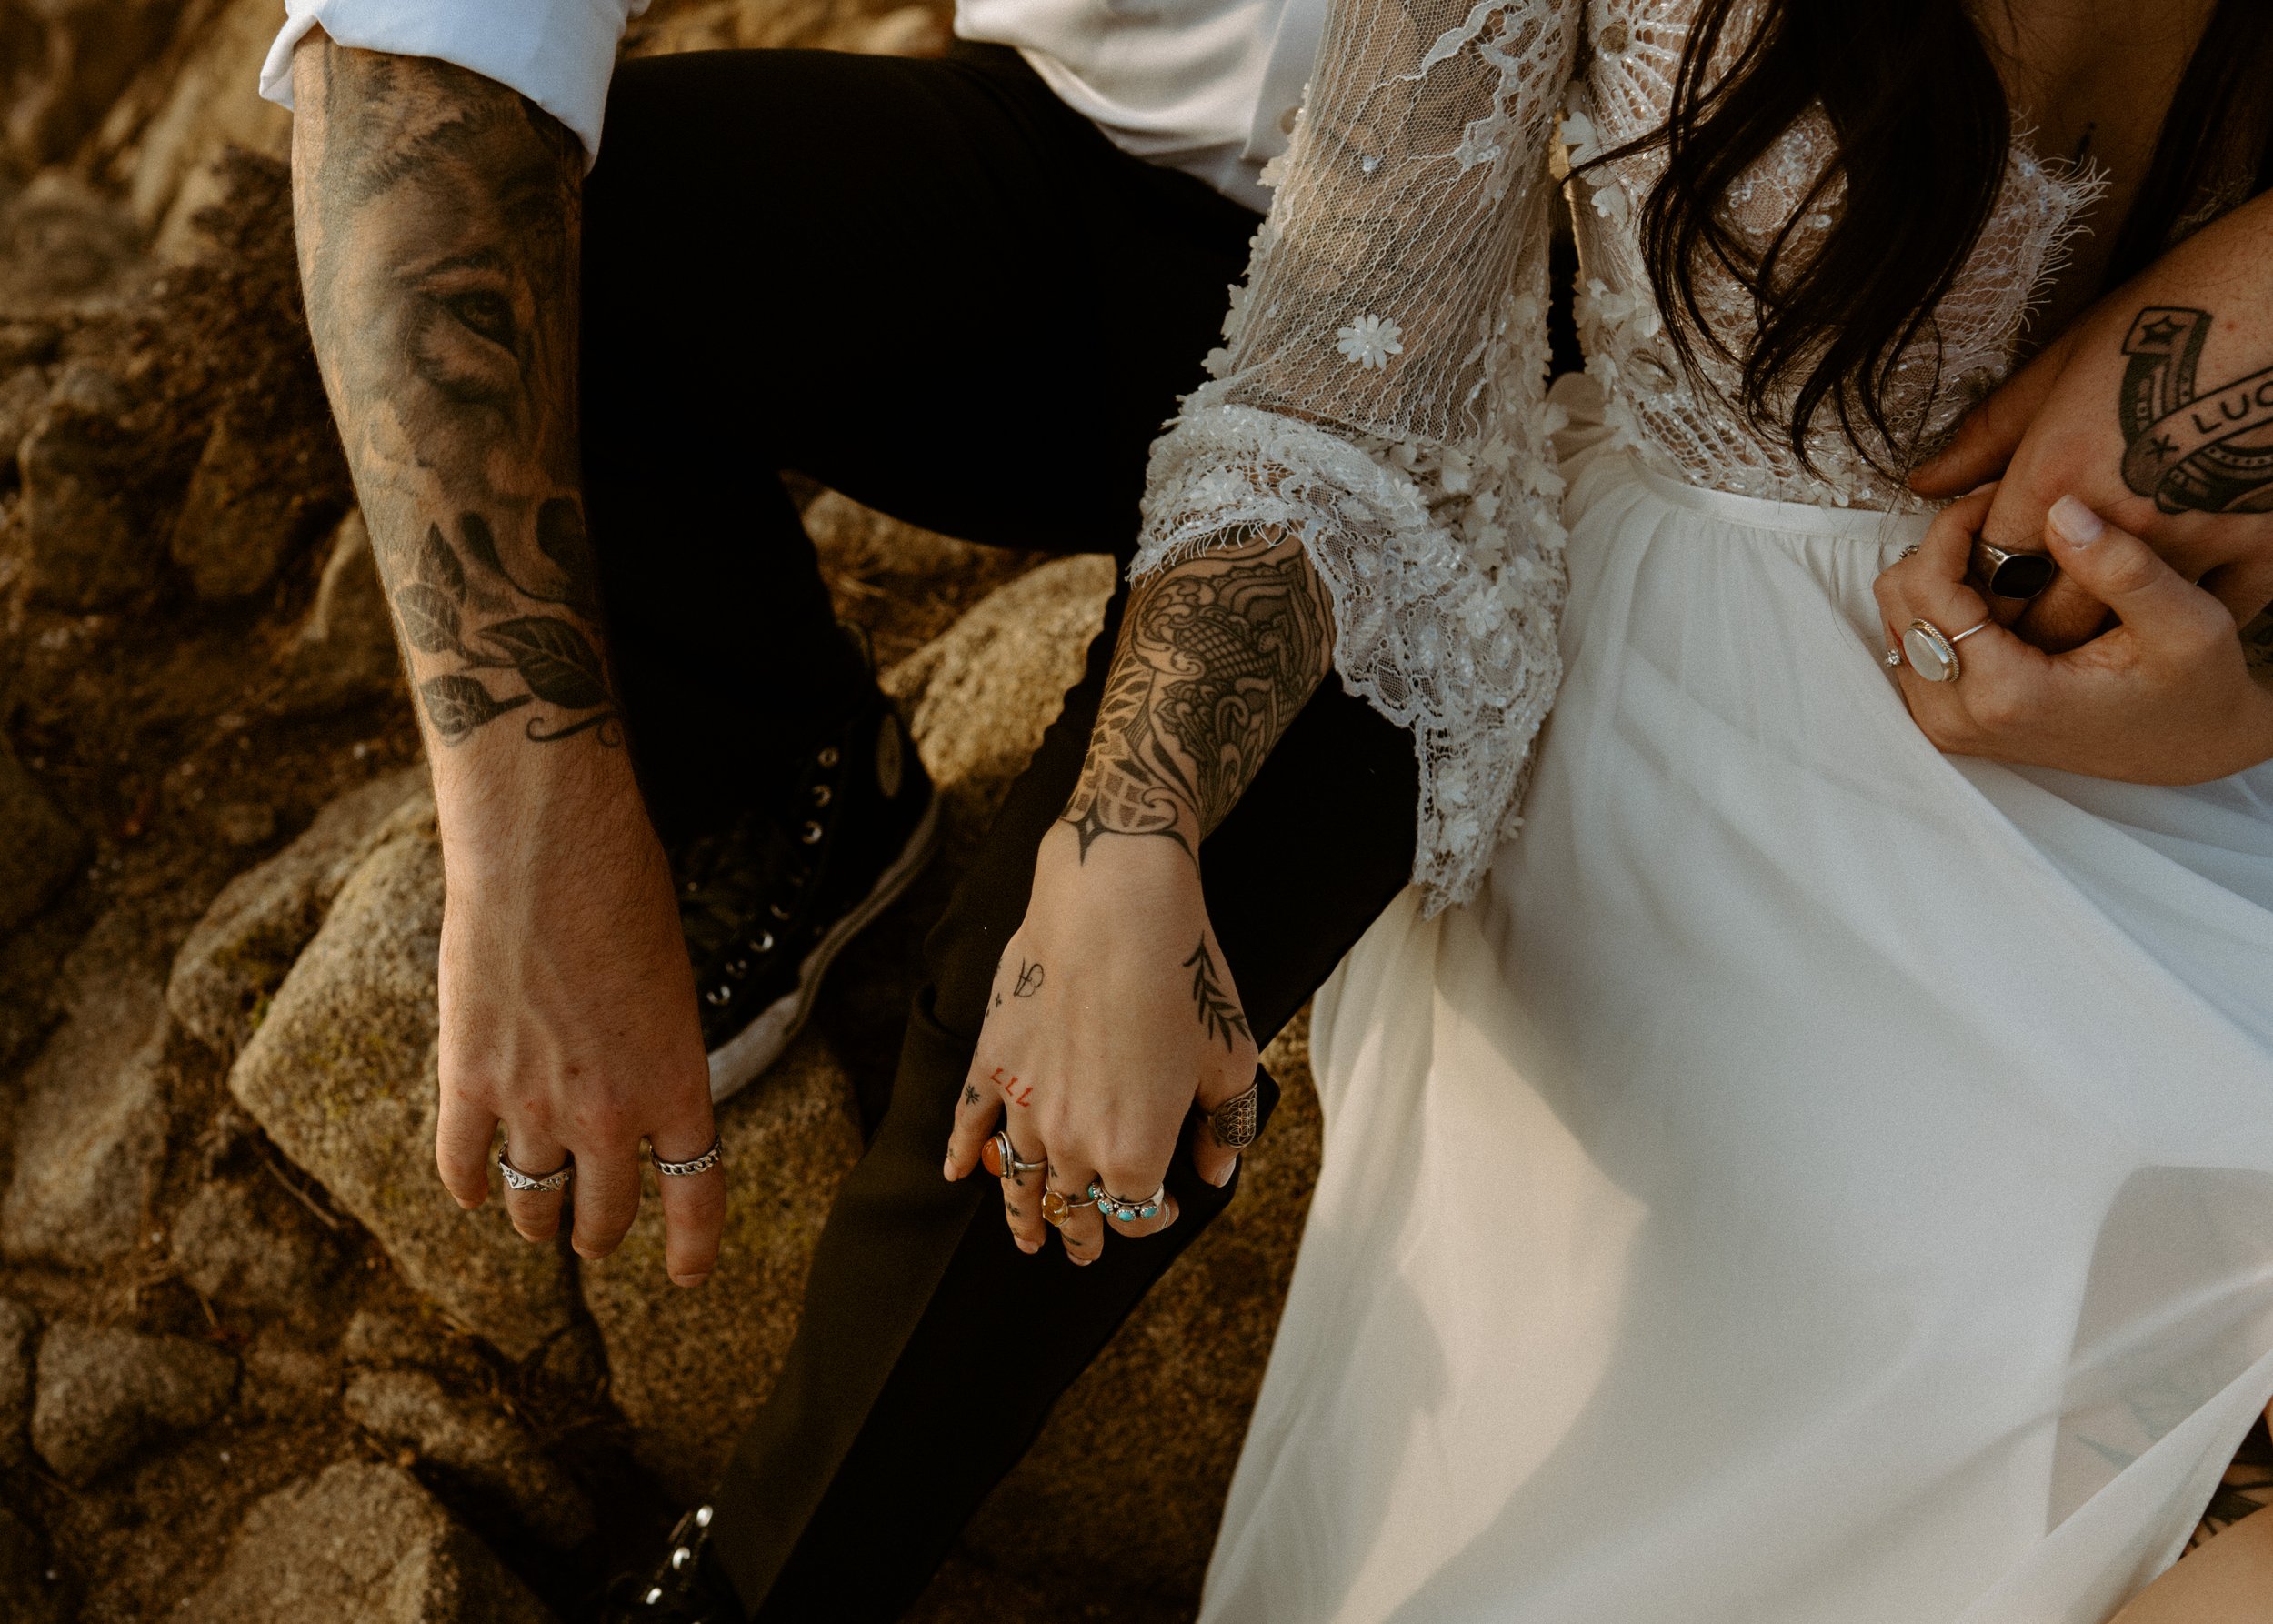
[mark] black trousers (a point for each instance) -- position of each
(930, 286)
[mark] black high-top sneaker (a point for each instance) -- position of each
(685, 1586)
(768, 904)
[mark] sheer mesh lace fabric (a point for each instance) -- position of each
(1381, 389)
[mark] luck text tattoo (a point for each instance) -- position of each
(2213, 452)
(1219, 1013)
(438, 215)
(1215, 655)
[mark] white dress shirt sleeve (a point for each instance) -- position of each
(560, 54)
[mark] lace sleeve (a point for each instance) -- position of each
(1380, 394)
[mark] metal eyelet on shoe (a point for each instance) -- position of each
(763, 942)
(721, 995)
(654, 1598)
(823, 795)
(812, 832)
(737, 967)
(828, 756)
(779, 911)
(680, 1558)
(702, 1517)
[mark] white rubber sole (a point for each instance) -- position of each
(742, 1057)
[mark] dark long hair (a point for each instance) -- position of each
(1923, 132)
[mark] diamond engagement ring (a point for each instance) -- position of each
(1933, 653)
(536, 1183)
(687, 1170)
(1234, 1122)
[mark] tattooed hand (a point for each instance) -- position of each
(437, 214)
(2156, 410)
(1113, 1012)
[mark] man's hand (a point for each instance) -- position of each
(438, 216)
(2156, 410)
(1113, 1011)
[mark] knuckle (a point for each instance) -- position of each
(1996, 709)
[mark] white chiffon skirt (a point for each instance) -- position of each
(1820, 1181)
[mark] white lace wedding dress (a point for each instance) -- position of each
(1786, 1176)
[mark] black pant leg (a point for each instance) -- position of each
(927, 284)
(931, 1348)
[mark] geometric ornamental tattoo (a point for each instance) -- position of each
(2204, 452)
(1216, 655)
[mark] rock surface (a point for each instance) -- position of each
(979, 697)
(360, 1544)
(105, 1394)
(1153, 1428)
(344, 652)
(28, 1596)
(39, 848)
(90, 546)
(413, 1409)
(237, 955)
(341, 1075)
(250, 1247)
(93, 1123)
(19, 1332)
(691, 1367)
(236, 524)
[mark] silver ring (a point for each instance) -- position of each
(1012, 1168)
(536, 1183)
(1127, 1212)
(1234, 1122)
(2016, 576)
(1907, 552)
(1932, 653)
(687, 1170)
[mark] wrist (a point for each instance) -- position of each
(519, 820)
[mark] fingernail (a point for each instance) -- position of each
(946, 1169)
(1030, 1246)
(690, 1280)
(1224, 1177)
(2077, 525)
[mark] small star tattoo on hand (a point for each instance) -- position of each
(970, 1094)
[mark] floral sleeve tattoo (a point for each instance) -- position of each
(438, 216)
(1216, 657)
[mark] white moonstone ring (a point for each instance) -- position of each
(1933, 653)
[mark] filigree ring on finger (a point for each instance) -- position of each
(1127, 1212)
(532, 1184)
(688, 1169)
(1235, 1121)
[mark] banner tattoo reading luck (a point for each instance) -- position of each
(2209, 453)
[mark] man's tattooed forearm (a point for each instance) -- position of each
(1216, 657)
(2212, 452)
(1219, 1013)
(438, 216)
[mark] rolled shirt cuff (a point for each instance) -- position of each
(560, 54)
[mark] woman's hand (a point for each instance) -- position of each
(1112, 1013)
(2163, 697)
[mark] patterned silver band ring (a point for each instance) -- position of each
(1233, 1121)
(536, 1183)
(701, 1164)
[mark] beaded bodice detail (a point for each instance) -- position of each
(1381, 391)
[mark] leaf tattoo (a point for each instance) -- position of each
(560, 536)
(436, 565)
(430, 619)
(458, 705)
(556, 659)
(1219, 1013)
